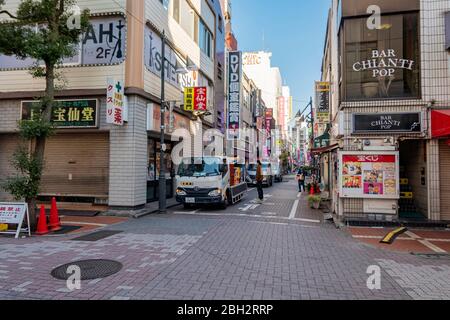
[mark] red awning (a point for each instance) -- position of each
(440, 123)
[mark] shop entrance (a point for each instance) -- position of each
(413, 180)
(154, 156)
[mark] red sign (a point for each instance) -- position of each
(370, 158)
(200, 99)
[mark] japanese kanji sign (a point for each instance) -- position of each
(14, 214)
(195, 99)
(322, 102)
(115, 102)
(67, 113)
(234, 95)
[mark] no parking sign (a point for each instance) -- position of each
(14, 213)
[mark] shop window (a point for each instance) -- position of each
(382, 63)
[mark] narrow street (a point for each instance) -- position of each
(278, 250)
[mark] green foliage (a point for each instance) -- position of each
(314, 199)
(37, 128)
(52, 41)
(25, 185)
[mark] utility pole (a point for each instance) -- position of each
(162, 167)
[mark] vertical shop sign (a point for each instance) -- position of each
(115, 102)
(234, 94)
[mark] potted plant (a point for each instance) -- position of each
(314, 201)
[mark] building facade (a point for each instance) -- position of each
(89, 160)
(390, 89)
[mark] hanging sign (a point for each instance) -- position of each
(195, 99)
(14, 214)
(115, 102)
(322, 102)
(234, 91)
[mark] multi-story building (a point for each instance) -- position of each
(390, 95)
(89, 160)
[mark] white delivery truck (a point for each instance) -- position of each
(210, 180)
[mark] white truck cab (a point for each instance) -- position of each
(210, 180)
(266, 171)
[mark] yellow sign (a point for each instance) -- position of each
(3, 227)
(189, 99)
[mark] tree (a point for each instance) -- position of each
(43, 31)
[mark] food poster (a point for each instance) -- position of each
(369, 176)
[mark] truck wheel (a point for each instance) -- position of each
(224, 204)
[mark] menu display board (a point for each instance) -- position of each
(369, 175)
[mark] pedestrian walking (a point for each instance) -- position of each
(301, 180)
(259, 182)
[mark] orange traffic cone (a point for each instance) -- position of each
(55, 223)
(42, 227)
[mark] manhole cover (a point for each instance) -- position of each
(90, 269)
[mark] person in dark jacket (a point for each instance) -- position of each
(301, 180)
(259, 181)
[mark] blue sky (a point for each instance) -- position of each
(294, 30)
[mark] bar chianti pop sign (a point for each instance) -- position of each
(383, 63)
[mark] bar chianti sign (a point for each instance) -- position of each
(383, 63)
(389, 122)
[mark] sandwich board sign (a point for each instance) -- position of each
(15, 213)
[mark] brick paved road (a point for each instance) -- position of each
(244, 252)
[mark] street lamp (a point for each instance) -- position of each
(190, 66)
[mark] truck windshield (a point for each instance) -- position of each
(253, 167)
(205, 168)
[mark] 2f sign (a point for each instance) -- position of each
(374, 21)
(374, 280)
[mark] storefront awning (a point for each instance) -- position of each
(325, 149)
(440, 123)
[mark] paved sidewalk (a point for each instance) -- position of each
(234, 254)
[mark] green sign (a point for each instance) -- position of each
(68, 113)
(322, 141)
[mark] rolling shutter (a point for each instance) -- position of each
(77, 165)
(444, 160)
(8, 145)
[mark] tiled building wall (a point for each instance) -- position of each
(435, 84)
(128, 158)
